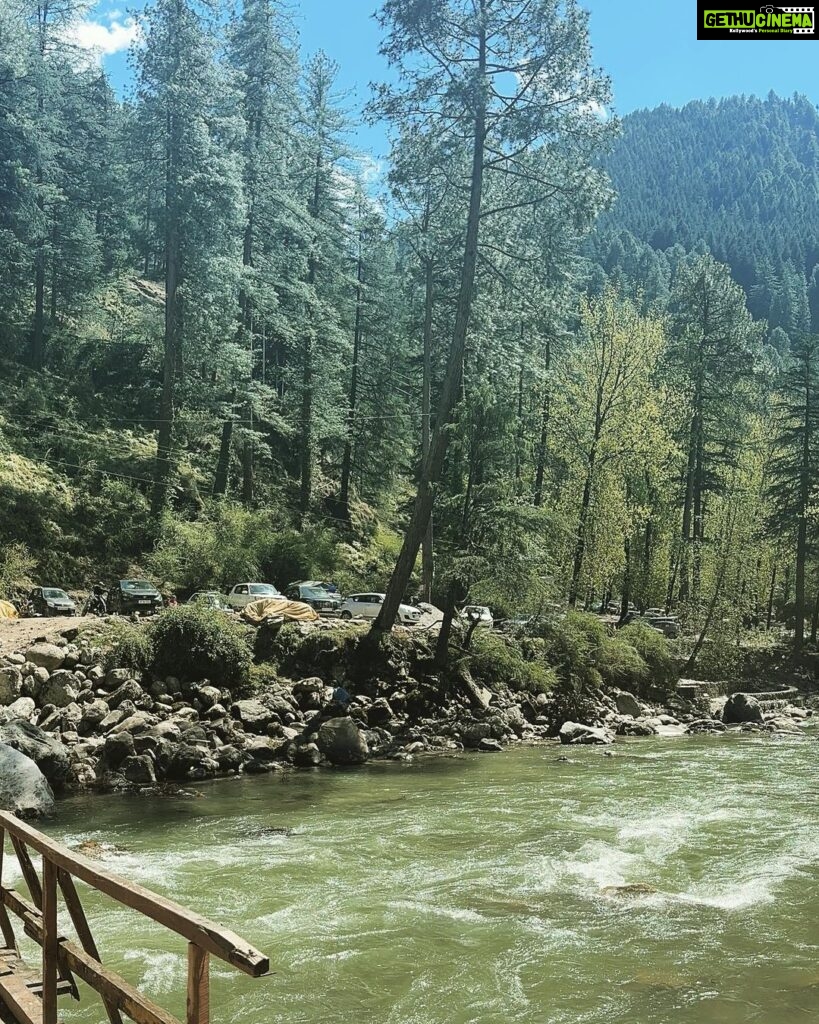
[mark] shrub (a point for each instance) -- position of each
(654, 649)
(574, 645)
(498, 660)
(194, 643)
(620, 664)
(125, 644)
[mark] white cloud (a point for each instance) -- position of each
(103, 40)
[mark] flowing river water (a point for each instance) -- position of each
(478, 888)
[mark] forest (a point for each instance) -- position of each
(550, 356)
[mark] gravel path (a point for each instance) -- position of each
(16, 634)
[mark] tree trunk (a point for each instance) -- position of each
(580, 543)
(306, 483)
(814, 621)
(347, 462)
(433, 466)
(688, 504)
(220, 480)
(173, 317)
(544, 431)
(771, 592)
(804, 509)
(427, 544)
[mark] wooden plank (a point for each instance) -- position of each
(50, 942)
(107, 983)
(29, 874)
(197, 929)
(80, 922)
(6, 927)
(198, 985)
(24, 1006)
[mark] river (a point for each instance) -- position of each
(473, 889)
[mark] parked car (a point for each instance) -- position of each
(367, 606)
(665, 624)
(478, 613)
(243, 593)
(316, 595)
(140, 596)
(51, 601)
(210, 599)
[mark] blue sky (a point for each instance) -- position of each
(648, 47)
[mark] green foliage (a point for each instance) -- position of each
(573, 645)
(125, 644)
(195, 643)
(16, 566)
(499, 660)
(655, 652)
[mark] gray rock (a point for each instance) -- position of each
(24, 790)
(380, 713)
(342, 742)
(307, 755)
(130, 690)
(47, 752)
(139, 769)
(741, 707)
(48, 656)
(490, 746)
(111, 719)
(11, 685)
(93, 714)
(115, 677)
(627, 704)
(705, 725)
(139, 721)
(263, 748)
(60, 690)
(23, 708)
(574, 732)
(254, 716)
(118, 746)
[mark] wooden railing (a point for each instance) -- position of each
(29, 1000)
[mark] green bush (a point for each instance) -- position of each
(654, 649)
(498, 660)
(573, 645)
(194, 643)
(125, 644)
(620, 664)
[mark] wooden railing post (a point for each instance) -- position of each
(50, 943)
(5, 921)
(198, 985)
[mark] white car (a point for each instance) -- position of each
(243, 593)
(367, 606)
(479, 613)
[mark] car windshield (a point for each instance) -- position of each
(314, 593)
(136, 585)
(263, 588)
(55, 593)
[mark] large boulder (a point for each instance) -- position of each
(47, 752)
(342, 742)
(24, 790)
(627, 704)
(23, 707)
(61, 689)
(130, 690)
(254, 716)
(574, 732)
(11, 684)
(47, 656)
(740, 707)
(139, 769)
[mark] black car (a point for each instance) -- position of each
(51, 601)
(316, 596)
(127, 596)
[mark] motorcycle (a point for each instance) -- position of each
(94, 605)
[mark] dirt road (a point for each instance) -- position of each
(16, 634)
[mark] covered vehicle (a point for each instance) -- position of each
(367, 606)
(479, 614)
(128, 596)
(279, 607)
(7, 610)
(210, 599)
(316, 595)
(51, 601)
(244, 594)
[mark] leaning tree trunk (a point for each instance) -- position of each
(427, 544)
(450, 390)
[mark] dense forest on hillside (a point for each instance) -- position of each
(513, 378)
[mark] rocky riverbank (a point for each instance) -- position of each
(68, 723)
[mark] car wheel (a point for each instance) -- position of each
(346, 615)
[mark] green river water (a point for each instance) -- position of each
(471, 889)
